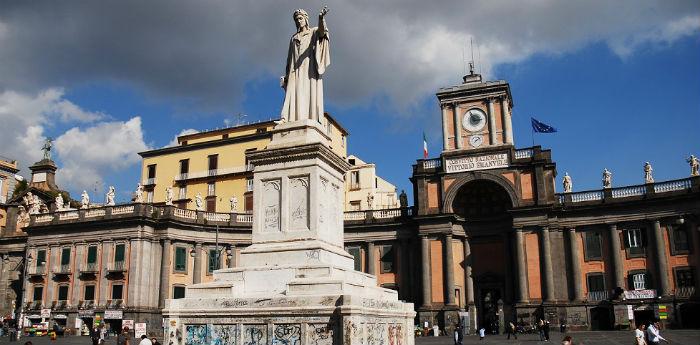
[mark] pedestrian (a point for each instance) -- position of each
(546, 330)
(653, 334)
(639, 336)
(155, 341)
(567, 341)
(540, 329)
(103, 334)
(145, 340)
(510, 329)
(459, 336)
(95, 335)
(123, 337)
(482, 333)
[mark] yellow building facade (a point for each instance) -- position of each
(213, 165)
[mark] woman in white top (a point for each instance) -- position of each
(639, 334)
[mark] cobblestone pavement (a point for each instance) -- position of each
(684, 337)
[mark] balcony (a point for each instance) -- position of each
(36, 271)
(685, 292)
(59, 305)
(115, 303)
(89, 268)
(597, 296)
(117, 266)
(34, 305)
(62, 270)
(214, 172)
(650, 190)
(149, 181)
(86, 304)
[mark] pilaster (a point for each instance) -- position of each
(449, 271)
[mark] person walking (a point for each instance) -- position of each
(95, 335)
(639, 334)
(155, 341)
(540, 329)
(653, 333)
(459, 335)
(482, 333)
(145, 340)
(511, 330)
(123, 337)
(546, 331)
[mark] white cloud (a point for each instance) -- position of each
(91, 153)
(187, 131)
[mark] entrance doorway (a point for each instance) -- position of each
(601, 319)
(488, 309)
(643, 316)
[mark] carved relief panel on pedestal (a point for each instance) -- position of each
(271, 198)
(299, 203)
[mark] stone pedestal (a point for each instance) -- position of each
(295, 284)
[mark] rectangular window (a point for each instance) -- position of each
(89, 293)
(212, 261)
(117, 291)
(634, 241)
(182, 194)
(63, 293)
(180, 259)
(184, 166)
(354, 180)
(596, 282)
(211, 204)
(357, 257)
(213, 164)
(249, 184)
(65, 256)
(151, 171)
(92, 255)
(38, 293)
(684, 278)
(149, 196)
(249, 202)
(119, 251)
(387, 258)
(178, 292)
(679, 236)
(638, 280)
(355, 205)
(211, 189)
(41, 257)
(593, 246)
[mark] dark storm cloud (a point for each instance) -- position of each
(201, 53)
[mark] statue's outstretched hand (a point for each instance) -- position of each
(323, 12)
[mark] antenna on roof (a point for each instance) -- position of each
(471, 63)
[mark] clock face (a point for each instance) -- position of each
(476, 140)
(474, 120)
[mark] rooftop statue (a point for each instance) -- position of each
(47, 148)
(568, 187)
(110, 196)
(648, 178)
(307, 59)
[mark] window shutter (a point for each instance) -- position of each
(626, 235)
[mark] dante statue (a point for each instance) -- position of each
(309, 55)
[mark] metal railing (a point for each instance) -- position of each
(116, 266)
(684, 292)
(149, 181)
(596, 296)
(62, 269)
(89, 267)
(37, 270)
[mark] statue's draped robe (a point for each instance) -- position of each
(308, 57)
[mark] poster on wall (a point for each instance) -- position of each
(128, 323)
(139, 329)
(46, 313)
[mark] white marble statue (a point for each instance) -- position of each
(84, 200)
(648, 178)
(36, 205)
(59, 202)
(370, 201)
(169, 196)
(568, 186)
(22, 218)
(198, 202)
(607, 178)
(234, 204)
(139, 194)
(694, 165)
(307, 59)
(28, 200)
(110, 196)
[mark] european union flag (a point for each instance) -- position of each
(540, 127)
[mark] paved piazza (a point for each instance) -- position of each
(685, 337)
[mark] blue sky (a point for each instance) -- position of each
(620, 90)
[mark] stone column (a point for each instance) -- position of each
(449, 271)
(618, 272)
(405, 270)
(507, 125)
(522, 265)
(458, 126)
(232, 262)
(425, 270)
(445, 129)
(661, 259)
(371, 259)
(547, 265)
(468, 279)
(197, 270)
(576, 281)
(165, 256)
(492, 122)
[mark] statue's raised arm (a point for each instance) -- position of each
(322, 28)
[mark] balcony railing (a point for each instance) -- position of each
(387, 214)
(685, 292)
(62, 269)
(524, 153)
(149, 181)
(214, 172)
(117, 266)
(629, 191)
(432, 163)
(115, 303)
(89, 268)
(597, 296)
(36, 270)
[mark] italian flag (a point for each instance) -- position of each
(425, 147)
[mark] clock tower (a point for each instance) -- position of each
(476, 114)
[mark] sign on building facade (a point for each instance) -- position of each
(483, 162)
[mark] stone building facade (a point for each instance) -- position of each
(488, 240)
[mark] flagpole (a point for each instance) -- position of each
(532, 134)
